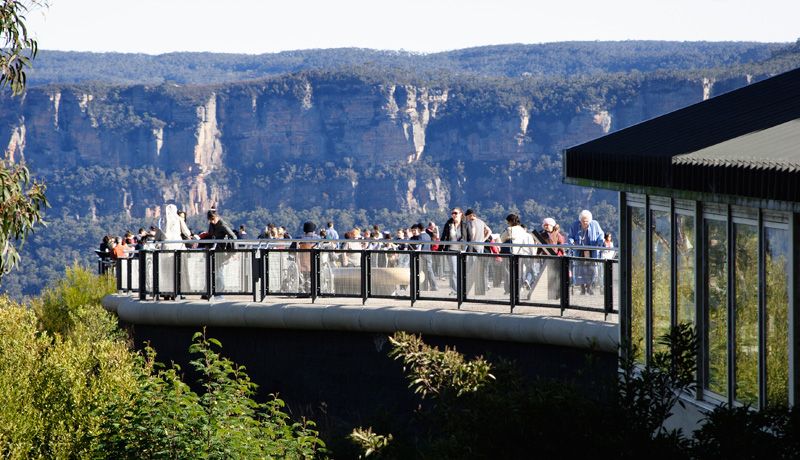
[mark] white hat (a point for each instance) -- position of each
(549, 220)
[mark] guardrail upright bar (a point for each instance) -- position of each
(414, 287)
(608, 281)
(142, 275)
(264, 264)
(365, 276)
(254, 272)
(565, 282)
(209, 273)
(156, 287)
(314, 274)
(513, 274)
(461, 277)
(177, 272)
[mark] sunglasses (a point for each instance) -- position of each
(455, 213)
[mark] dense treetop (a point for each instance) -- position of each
(513, 61)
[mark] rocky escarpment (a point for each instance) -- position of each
(313, 140)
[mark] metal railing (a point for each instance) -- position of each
(263, 268)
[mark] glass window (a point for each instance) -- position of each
(777, 298)
(662, 258)
(717, 302)
(746, 308)
(685, 270)
(638, 252)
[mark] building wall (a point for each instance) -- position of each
(725, 268)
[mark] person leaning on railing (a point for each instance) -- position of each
(585, 232)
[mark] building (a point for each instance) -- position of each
(709, 201)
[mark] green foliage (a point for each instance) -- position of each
(71, 388)
(166, 419)
(80, 289)
(438, 373)
(370, 443)
(742, 433)
(501, 415)
(53, 390)
(18, 47)
(648, 394)
(21, 203)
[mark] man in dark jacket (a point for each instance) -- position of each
(218, 229)
(454, 230)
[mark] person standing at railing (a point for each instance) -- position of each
(453, 231)
(585, 232)
(515, 233)
(477, 230)
(331, 232)
(551, 233)
(419, 234)
(218, 229)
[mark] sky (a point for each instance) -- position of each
(255, 27)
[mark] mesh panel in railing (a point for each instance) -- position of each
(233, 272)
(614, 285)
(586, 289)
(437, 276)
(540, 280)
(336, 274)
(122, 266)
(289, 272)
(487, 278)
(166, 272)
(390, 273)
(134, 273)
(148, 273)
(193, 272)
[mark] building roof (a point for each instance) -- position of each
(775, 148)
(745, 143)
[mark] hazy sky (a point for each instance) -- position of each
(249, 26)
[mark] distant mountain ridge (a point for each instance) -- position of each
(552, 59)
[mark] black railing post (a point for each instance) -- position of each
(461, 277)
(414, 266)
(156, 287)
(608, 274)
(209, 274)
(254, 272)
(142, 275)
(314, 274)
(178, 274)
(365, 276)
(513, 274)
(565, 282)
(264, 273)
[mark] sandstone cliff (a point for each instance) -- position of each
(319, 140)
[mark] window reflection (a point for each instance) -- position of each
(746, 308)
(777, 298)
(685, 270)
(717, 303)
(662, 257)
(638, 251)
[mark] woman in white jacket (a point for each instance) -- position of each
(516, 234)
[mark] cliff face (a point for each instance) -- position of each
(313, 141)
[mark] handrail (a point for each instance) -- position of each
(261, 270)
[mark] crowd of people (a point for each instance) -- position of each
(462, 232)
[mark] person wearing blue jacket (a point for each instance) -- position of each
(585, 232)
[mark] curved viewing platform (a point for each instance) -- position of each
(523, 295)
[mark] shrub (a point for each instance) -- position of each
(79, 289)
